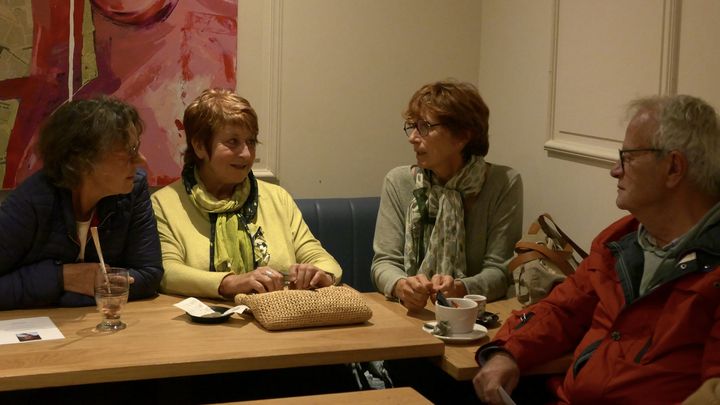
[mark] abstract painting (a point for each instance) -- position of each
(157, 55)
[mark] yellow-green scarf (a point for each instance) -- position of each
(233, 247)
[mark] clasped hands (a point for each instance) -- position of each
(266, 279)
(414, 291)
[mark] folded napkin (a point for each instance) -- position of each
(291, 309)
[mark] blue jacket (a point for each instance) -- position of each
(38, 235)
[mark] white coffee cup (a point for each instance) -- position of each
(460, 319)
(481, 301)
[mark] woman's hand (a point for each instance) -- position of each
(307, 276)
(500, 370)
(414, 291)
(260, 280)
(449, 286)
(80, 277)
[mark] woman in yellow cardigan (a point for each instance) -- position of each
(222, 231)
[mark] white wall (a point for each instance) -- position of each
(515, 80)
(347, 71)
(700, 50)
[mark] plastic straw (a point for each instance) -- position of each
(96, 239)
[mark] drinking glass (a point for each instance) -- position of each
(111, 295)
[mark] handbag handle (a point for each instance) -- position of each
(555, 229)
(531, 251)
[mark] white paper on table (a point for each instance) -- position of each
(239, 309)
(195, 307)
(24, 330)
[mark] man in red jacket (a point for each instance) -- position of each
(642, 312)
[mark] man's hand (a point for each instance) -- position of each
(414, 291)
(500, 370)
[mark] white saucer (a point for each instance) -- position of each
(478, 332)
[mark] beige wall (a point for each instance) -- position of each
(515, 77)
(349, 67)
(347, 70)
(700, 50)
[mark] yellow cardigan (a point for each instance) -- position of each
(185, 239)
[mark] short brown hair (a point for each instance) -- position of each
(459, 107)
(209, 112)
(79, 132)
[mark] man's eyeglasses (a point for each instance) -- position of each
(422, 126)
(624, 152)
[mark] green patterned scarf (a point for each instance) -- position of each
(435, 220)
(232, 244)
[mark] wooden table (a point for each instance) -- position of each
(399, 396)
(459, 358)
(161, 341)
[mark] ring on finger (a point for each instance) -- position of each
(268, 273)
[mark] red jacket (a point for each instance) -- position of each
(653, 349)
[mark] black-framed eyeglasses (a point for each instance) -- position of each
(422, 126)
(623, 152)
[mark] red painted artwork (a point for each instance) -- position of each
(155, 54)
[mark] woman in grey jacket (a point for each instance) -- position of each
(450, 222)
(90, 151)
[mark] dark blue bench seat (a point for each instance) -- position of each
(345, 227)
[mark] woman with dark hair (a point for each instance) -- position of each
(90, 177)
(450, 222)
(223, 232)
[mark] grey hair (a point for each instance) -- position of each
(691, 126)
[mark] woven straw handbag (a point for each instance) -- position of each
(292, 309)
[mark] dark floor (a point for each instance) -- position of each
(197, 389)
(421, 374)
(437, 386)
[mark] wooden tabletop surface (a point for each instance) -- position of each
(459, 358)
(161, 341)
(390, 396)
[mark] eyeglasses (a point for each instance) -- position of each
(134, 150)
(422, 126)
(623, 152)
(130, 152)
